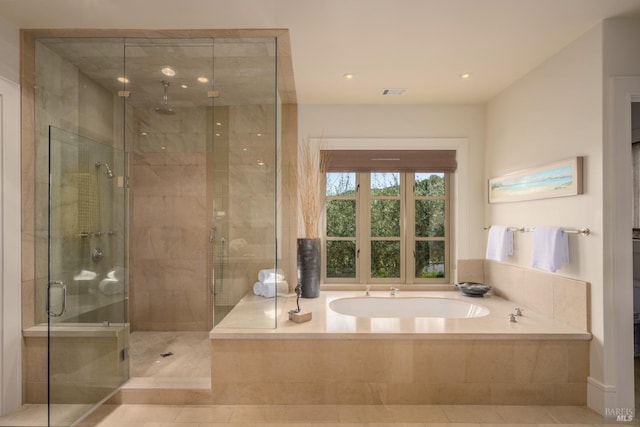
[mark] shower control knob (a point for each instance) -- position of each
(97, 254)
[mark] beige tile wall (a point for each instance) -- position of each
(560, 298)
(399, 371)
(169, 231)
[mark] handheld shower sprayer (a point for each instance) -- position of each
(109, 172)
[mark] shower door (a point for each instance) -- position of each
(86, 291)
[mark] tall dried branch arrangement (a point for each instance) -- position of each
(312, 164)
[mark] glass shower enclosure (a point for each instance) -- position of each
(157, 165)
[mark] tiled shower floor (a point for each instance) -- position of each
(187, 366)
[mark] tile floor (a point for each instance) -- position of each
(343, 415)
(326, 415)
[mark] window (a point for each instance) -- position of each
(387, 227)
(341, 220)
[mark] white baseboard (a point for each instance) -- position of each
(600, 396)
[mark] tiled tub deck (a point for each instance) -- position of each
(339, 359)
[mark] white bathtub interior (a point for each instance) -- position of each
(407, 307)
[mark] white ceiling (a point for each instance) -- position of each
(421, 45)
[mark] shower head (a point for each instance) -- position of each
(109, 172)
(164, 109)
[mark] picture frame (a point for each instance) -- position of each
(558, 179)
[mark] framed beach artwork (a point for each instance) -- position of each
(559, 179)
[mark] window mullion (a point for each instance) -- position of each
(364, 222)
(409, 235)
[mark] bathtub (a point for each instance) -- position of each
(407, 307)
(350, 354)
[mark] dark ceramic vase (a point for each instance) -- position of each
(309, 267)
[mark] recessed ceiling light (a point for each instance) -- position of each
(260, 163)
(168, 71)
(217, 134)
(348, 76)
(184, 86)
(258, 134)
(203, 79)
(218, 124)
(465, 76)
(123, 79)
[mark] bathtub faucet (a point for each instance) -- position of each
(393, 291)
(366, 292)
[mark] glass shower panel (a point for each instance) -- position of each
(243, 165)
(86, 300)
(169, 113)
(80, 222)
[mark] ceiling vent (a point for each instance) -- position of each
(392, 92)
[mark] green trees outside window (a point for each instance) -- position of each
(396, 231)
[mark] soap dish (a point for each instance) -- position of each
(473, 289)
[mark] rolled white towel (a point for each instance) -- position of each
(269, 289)
(111, 286)
(270, 275)
(257, 289)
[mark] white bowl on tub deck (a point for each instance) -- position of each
(408, 307)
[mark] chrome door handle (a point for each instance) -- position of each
(63, 309)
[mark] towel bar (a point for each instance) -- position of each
(581, 231)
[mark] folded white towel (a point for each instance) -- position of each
(499, 243)
(117, 273)
(550, 248)
(85, 275)
(111, 286)
(268, 290)
(270, 275)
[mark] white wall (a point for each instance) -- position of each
(411, 121)
(555, 112)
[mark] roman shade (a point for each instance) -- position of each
(391, 160)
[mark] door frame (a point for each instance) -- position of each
(617, 390)
(10, 249)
